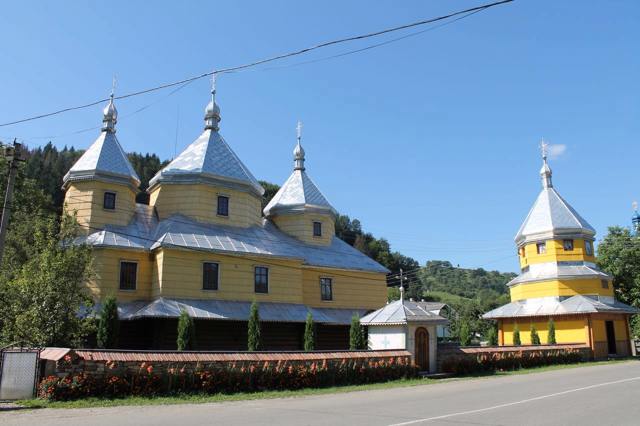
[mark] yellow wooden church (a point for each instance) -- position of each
(559, 280)
(204, 244)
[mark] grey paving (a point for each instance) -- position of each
(598, 395)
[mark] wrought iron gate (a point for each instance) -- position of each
(18, 373)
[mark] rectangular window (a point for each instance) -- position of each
(223, 205)
(209, 276)
(588, 248)
(567, 245)
(317, 229)
(128, 275)
(326, 291)
(109, 200)
(605, 283)
(261, 282)
(541, 248)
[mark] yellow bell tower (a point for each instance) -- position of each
(560, 281)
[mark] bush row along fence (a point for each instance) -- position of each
(78, 374)
(469, 360)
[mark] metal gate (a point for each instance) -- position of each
(18, 373)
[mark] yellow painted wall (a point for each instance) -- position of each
(559, 288)
(199, 202)
(181, 277)
(156, 273)
(351, 289)
(86, 199)
(600, 332)
(555, 253)
(106, 279)
(301, 226)
(567, 330)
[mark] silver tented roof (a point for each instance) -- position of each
(146, 233)
(208, 158)
(232, 311)
(550, 306)
(104, 159)
(403, 312)
(551, 216)
(299, 193)
(559, 271)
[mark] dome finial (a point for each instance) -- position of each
(212, 111)
(545, 172)
(298, 151)
(110, 113)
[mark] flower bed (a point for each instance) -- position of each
(489, 360)
(221, 377)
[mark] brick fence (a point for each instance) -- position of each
(448, 352)
(63, 361)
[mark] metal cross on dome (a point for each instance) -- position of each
(544, 147)
(113, 86)
(299, 130)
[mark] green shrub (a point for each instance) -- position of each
(465, 334)
(357, 339)
(108, 325)
(253, 332)
(186, 332)
(551, 337)
(309, 340)
(535, 338)
(492, 336)
(516, 336)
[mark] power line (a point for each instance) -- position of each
(264, 61)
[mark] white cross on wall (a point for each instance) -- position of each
(385, 342)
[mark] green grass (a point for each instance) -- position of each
(203, 398)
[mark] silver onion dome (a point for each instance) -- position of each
(298, 151)
(109, 117)
(545, 171)
(212, 111)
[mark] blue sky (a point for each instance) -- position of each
(432, 142)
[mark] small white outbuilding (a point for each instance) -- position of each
(406, 325)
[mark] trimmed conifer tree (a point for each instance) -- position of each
(108, 325)
(465, 334)
(253, 332)
(186, 332)
(309, 338)
(516, 336)
(356, 334)
(492, 336)
(551, 336)
(535, 338)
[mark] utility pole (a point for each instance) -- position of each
(13, 154)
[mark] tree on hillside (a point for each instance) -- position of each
(270, 189)
(146, 167)
(47, 166)
(253, 332)
(309, 339)
(492, 336)
(186, 332)
(619, 256)
(108, 325)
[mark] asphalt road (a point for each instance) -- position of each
(598, 395)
